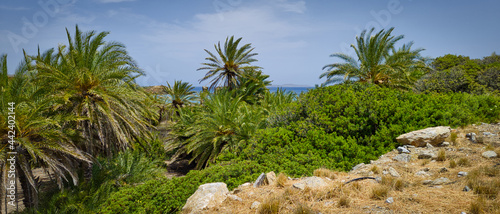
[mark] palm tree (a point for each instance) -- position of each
(222, 123)
(180, 94)
(94, 80)
(253, 86)
(378, 61)
(227, 68)
(41, 140)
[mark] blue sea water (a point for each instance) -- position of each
(297, 90)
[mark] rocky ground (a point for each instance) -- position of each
(461, 175)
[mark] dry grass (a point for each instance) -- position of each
(441, 156)
(303, 209)
(281, 180)
(380, 192)
(325, 173)
(453, 164)
(477, 206)
(490, 147)
(464, 162)
(375, 169)
(271, 205)
(453, 137)
(425, 162)
(344, 201)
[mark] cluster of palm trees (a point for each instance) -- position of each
(379, 62)
(73, 104)
(79, 101)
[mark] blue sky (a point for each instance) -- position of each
(293, 38)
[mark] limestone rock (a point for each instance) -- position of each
(402, 158)
(391, 171)
(234, 197)
(462, 174)
(427, 155)
(440, 181)
(472, 137)
(420, 138)
(389, 200)
(445, 144)
(489, 154)
(260, 180)
(255, 205)
(207, 196)
(271, 178)
(311, 182)
(402, 149)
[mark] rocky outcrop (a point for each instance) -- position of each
(420, 138)
(207, 196)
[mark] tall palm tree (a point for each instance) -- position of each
(226, 68)
(378, 61)
(41, 140)
(94, 79)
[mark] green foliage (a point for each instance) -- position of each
(124, 170)
(461, 74)
(222, 123)
(379, 61)
(169, 195)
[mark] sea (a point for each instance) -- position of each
(296, 90)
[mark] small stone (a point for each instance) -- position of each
(328, 203)
(487, 133)
(236, 191)
(462, 174)
(472, 137)
(422, 173)
(378, 179)
(443, 170)
(403, 150)
(245, 184)
(429, 146)
(440, 181)
(255, 205)
(427, 182)
(426, 155)
(389, 200)
(444, 144)
(260, 180)
(463, 213)
(271, 178)
(402, 158)
(393, 172)
(437, 187)
(467, 189)
(489, 154)
(234, 197)
(311, 182)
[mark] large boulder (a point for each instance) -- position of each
(207, 196)
(420, 138)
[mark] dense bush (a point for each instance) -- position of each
(169, 195)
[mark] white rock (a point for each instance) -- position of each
(444, 144)
(489, 154)
(255, 205)
(271, 178)
(389, 200)
(207, 196)
(234, 197)
(440, 181)
(462, 174)
(420, 138)
(311, 182)
(403, 150)
(393, 172)
(402, 158)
